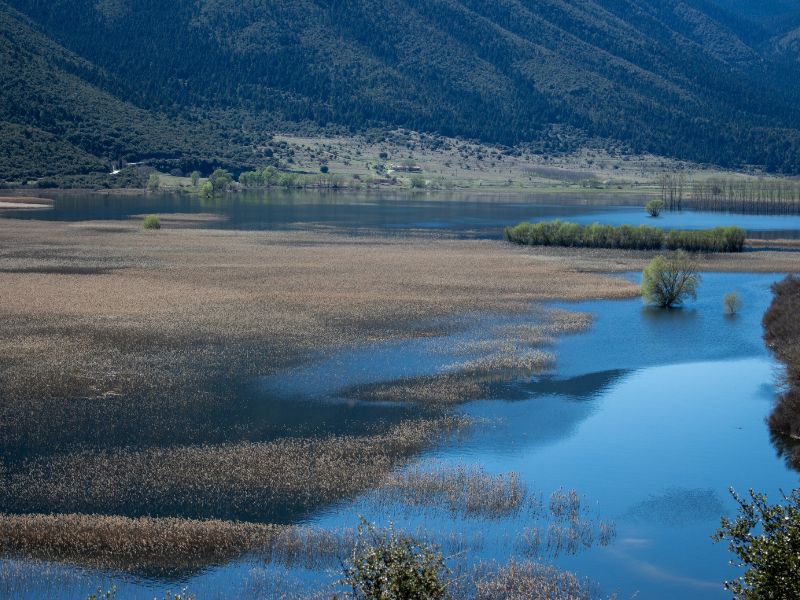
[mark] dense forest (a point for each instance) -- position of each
(203, 83)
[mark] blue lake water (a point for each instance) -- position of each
(448, 213)
(649, 415)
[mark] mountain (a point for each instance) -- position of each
(203, 82)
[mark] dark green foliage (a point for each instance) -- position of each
(323, 169)
(387, 565)
(220, 180)
(766, 541)
(643, 237)
(199, 85)
(669, 281)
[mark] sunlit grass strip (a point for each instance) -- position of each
(626, 237)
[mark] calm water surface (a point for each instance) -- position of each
(451, 213)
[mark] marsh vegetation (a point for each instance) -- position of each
(139, 436)
(626, 237)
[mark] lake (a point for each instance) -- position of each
(649, 415)
(447, 213)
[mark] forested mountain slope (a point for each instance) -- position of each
(706, 80)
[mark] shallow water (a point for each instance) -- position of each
(448, 213)
(650, 415)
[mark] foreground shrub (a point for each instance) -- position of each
(643, 237)
(731, 303)
(386, 565)
(669, 280)
(766, 540)
(151, 222)
(654, 207)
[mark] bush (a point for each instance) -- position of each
(669, 280)
(766, 540)
(220, 180)
(719, 239)
(323, 169)
(654, 207)
(418, 182)
(731, 303)
(386, 565)
(153, 182)
(151, 222)
(644, 237)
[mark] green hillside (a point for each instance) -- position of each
(194, 83)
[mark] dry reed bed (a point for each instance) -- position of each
(562, 525)
(103, 325)
(253, 481)
(163, 546)
(508, 353)
(524, 580)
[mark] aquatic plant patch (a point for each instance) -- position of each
(626, 237)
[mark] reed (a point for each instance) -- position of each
(166, 546)
(524, 580)
(230, 481)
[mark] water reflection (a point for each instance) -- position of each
(463, 214)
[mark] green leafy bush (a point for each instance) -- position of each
(766, 540)
(153, 182)
(386, 565)
(643, 237)
(719, 239)
(669, 280)
(654, 207)
(151, 222)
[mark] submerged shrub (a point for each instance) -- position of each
(731, 303)
(669, 280)
(654, 207)
(766, 540)
(625, 237)
(151, 222)
(387, 565)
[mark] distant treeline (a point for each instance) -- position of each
(643, 237)
(761, 196)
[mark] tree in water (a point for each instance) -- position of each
(669, 280)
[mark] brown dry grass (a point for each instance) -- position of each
(255, 481)
(106, 327)
(164, 546)
(528, 581)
